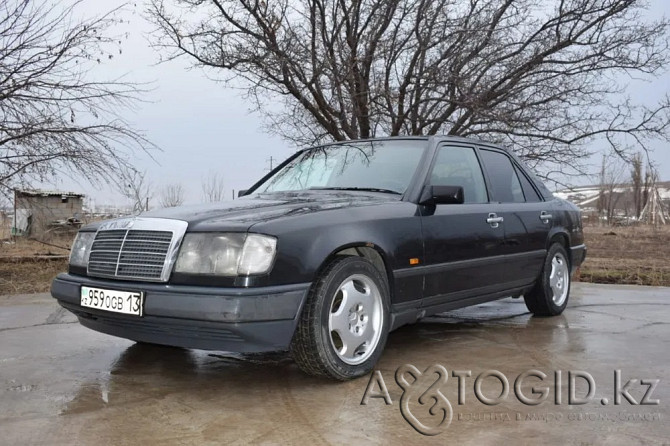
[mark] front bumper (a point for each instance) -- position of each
(227, 319)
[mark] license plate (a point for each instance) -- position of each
(126, 302)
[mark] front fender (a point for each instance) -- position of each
(394, 230)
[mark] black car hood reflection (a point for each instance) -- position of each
(241, 214)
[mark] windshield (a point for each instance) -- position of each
(381, 166)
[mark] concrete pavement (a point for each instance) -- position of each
(64, 384)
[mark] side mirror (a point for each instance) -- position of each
(242, 192)
(433, 195)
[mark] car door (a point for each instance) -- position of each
(525, 219)
(462, 245)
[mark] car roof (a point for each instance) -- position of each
(438, 138)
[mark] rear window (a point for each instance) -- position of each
(505, 184)
(528, 191)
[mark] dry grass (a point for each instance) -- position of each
(29, 276)
(23, 247)
(25, 266)
(637, 255)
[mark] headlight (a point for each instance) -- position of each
(226, 254)
(81, 248)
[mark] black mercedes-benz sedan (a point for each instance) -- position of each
(329, 252)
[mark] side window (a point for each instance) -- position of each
(458, 166)
(505, 185)
(528, 190)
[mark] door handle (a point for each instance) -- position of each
(494, 220)
(545, 217)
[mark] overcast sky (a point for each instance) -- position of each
(202, 126)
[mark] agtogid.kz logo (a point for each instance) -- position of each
(423, 391)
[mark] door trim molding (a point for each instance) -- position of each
(470, 263)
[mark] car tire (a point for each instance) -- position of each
(549, 296)
(344, 324)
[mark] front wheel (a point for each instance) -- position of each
(549, 296)
(345, 322)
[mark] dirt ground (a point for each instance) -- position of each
(636, 255)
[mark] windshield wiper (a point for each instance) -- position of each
(364, 189)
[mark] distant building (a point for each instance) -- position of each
(617, 203)
(38, 211)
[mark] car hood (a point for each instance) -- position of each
(241, 214)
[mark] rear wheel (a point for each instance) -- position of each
(549, 296)
(344, 324)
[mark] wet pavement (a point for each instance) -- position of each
(64, 384)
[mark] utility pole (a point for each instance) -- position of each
(271, 160)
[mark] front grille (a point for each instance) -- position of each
(129, 254)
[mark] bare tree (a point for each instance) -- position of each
(653, 211)
(642, 178)
(54, 117)
(172, 196)
(134, 186)
(650, 177)
(636, 177)
(611, 187)
(541, 75)
(212, 187)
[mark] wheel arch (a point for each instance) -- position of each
(561, 236)
(367, 250)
